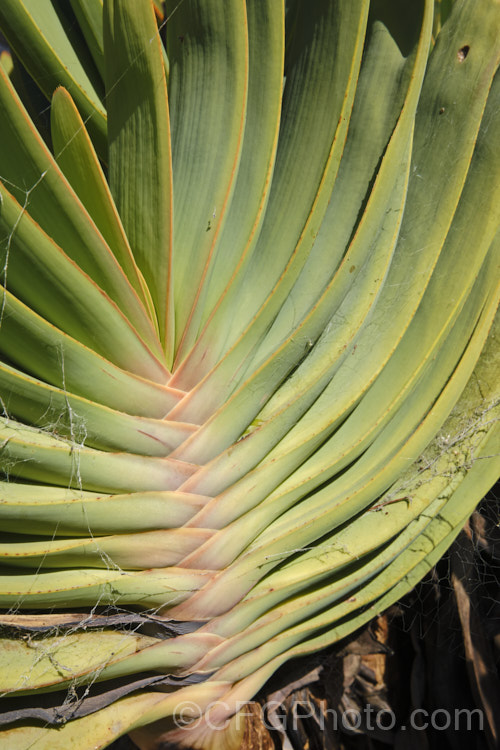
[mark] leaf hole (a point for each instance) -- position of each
(463, 52)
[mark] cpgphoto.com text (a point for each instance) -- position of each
(218, 715)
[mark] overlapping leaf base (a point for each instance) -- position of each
(249, 369)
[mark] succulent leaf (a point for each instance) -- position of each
(248, 337)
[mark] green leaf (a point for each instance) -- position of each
(312, 134)
(58, 511)
(140, 174)
(37, 270)
(42, 405)
(89, 15)
(42, 350)
(55, 56)
(207, 47)
(31, 174)
(76, 156)
(254, 178)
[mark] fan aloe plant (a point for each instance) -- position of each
(249, 375)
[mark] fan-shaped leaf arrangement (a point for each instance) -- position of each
(250, 269)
